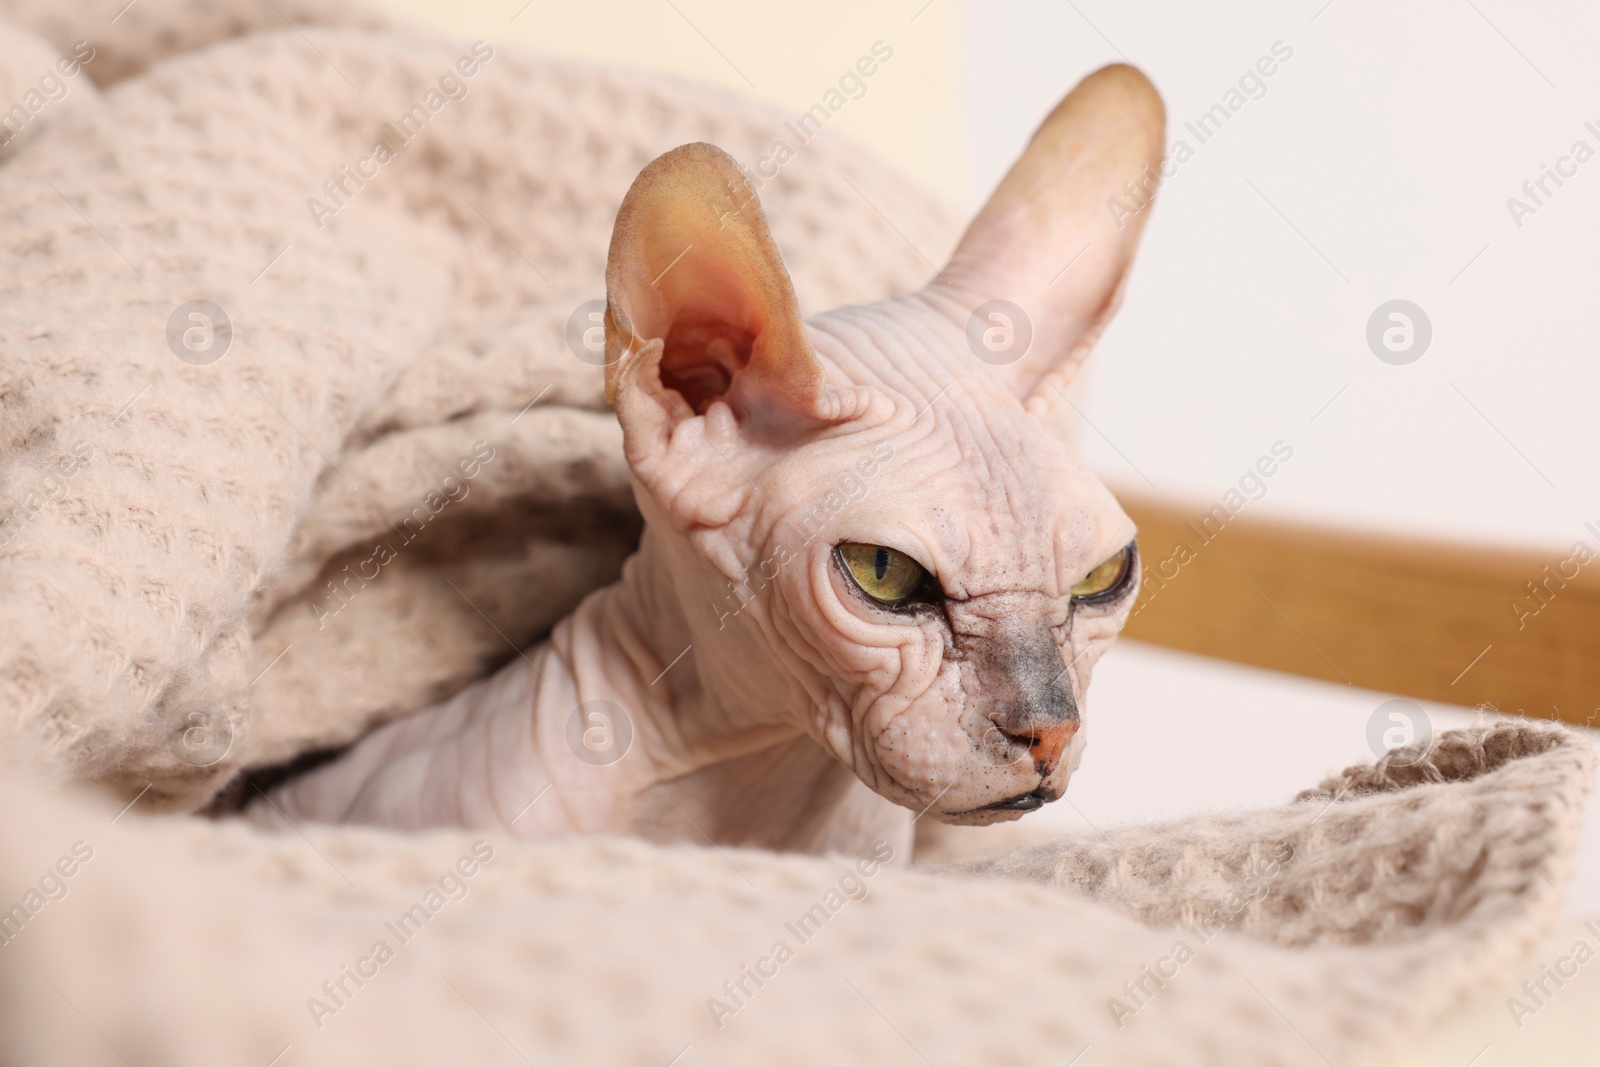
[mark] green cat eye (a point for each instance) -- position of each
(887, 576)
(1106, 579)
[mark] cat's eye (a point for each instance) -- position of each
(1107, 579)
(887, 576)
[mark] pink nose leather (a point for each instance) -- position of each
(1047, 743)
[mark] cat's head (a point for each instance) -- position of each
(870, 529)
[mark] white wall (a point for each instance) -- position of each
(1390, 141)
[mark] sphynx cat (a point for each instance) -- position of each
(791, 661)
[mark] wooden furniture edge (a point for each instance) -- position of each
(1512, 628)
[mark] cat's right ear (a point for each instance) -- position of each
(707, 358)
(1058, 234)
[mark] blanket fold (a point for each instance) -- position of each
(275, 532)
(182, 941)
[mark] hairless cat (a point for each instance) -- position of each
(788, 662)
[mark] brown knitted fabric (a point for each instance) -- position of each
(171, 534)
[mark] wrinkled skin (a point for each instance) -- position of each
(771, 701)
(925, 707)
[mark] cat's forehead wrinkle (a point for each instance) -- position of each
(903, 347)
(1017, 504)
(997, 503)
(970, 504)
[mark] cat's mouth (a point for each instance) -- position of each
(1022, 802)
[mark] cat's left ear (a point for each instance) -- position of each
(702, 325)
(1059, 233)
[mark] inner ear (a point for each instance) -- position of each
(693, 266)
(701, 357)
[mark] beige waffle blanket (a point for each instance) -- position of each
(230, 540)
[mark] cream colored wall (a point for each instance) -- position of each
(789, 54)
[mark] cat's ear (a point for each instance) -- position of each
(1057, 236)
(702, 325)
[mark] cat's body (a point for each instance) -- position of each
(871, 584)
(662, 761)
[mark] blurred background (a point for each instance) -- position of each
(1375, 163)
(1395, 152)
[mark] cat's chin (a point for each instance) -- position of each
(1007, 810)
(980, 817)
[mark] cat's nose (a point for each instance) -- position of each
(1045, 741)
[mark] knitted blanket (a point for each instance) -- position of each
(300, 431)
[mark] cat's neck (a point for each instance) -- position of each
(631, 644)
(694, 768)
(609, 727)
(620, 706)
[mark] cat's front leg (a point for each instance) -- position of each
(470, 761)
